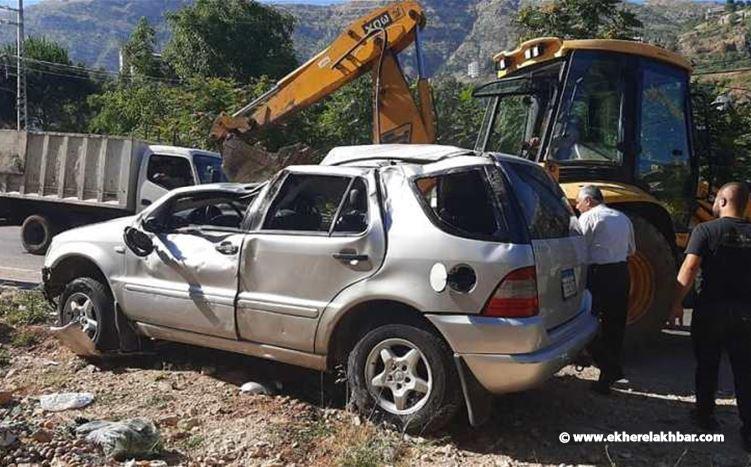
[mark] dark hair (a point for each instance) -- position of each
(737, 194)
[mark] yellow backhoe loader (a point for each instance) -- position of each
(616, 114)
(371, 43)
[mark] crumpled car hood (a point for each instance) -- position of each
(102, 232)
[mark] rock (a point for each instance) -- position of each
(166, 386)
(253, 388)
(65, 401)
(49, 424)
(91, 369)
(5, 397)
(208, 370)
(445, 450)
(42, 436)
(126, 438)
(179, 435)
(356, 420)
(170, 420)
(188, 423)
(7, 437)
(10, 373)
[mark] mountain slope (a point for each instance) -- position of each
(458, 32)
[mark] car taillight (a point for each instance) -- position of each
(515, 296)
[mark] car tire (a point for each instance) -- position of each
(90, 302)
(36, 234)
(419, 357)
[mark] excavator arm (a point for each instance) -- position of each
(371, 43)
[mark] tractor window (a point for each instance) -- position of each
(663, 160)
(588, 127)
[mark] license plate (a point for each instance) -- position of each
(568, 283)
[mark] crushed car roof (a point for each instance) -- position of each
(416, 153)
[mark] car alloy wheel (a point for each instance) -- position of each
(79, 308)
(398, 376)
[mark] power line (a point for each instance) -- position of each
(33, 67)
(98, 71)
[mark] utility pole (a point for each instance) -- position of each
(21, 101)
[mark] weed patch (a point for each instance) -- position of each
(24, 338)
(24, 308)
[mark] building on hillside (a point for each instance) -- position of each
(714, 12)
(473, 70)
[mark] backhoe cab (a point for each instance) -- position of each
(614, 114)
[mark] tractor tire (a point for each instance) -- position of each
(653, 271)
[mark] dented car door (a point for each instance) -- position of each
(189, 281)
(317, 230)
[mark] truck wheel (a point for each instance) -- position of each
(653, 271)
(404, 375)
(89, 303)
(36, 234)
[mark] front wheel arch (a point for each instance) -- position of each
(70, 268)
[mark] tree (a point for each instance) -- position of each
(579, 19)
(238, 39)
(458, 113)
(139, 52)
(57, 89)
(723, 143)
(730, 6)
(159, 111)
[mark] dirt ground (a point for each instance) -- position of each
(193, 396)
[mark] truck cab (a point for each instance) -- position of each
(51, 182)
(615, 114)
(164, 168)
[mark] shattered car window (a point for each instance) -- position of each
(306, 203)
(462, 203)
(214, 211)
(353, 218)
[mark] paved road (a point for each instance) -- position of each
(15, 263)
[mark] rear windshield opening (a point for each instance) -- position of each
(461, 203)
(543, 203)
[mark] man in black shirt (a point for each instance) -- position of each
(721, 320)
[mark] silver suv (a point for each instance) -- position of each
(432, 273)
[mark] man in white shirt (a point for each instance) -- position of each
(609, 235)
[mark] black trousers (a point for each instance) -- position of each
(718, 328)
(609, 285)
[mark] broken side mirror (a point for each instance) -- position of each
(152, 224)
(138, 242)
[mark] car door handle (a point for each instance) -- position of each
(227, 248)
(341, 256)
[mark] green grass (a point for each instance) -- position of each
(24, 338)
(4, 357)
(377, 449)
(194, 442)
(24, 308)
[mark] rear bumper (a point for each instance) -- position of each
(539, 355)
